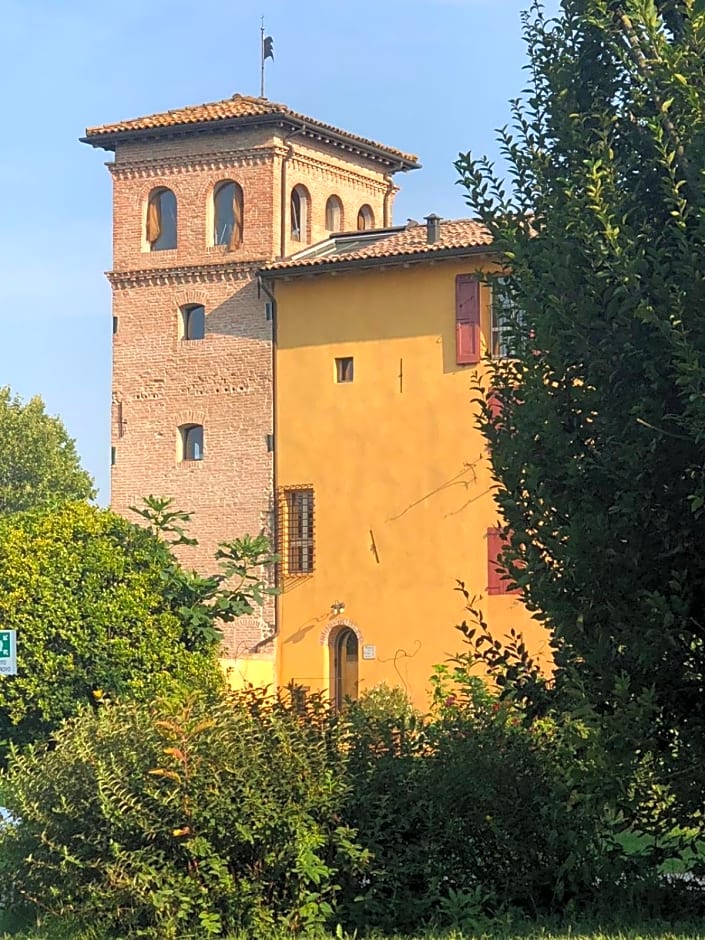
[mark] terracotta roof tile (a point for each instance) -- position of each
(232, 109)
(350, 248)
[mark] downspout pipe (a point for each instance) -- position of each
(387, 204)
(264, 288)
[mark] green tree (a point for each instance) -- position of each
(598, 440)
(39, 465)
(103, 610)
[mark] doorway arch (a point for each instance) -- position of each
(345, 666)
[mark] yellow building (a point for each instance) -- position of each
(382, 480)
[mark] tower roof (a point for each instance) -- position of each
(243, 111)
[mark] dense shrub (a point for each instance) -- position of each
(181, 820)
(184, 819)
(467, 809)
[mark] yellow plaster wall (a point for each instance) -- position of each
(251, 671)
(400, 474)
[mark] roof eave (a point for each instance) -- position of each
(442, 254)
(397, 162)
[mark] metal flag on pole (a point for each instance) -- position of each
(267, 52)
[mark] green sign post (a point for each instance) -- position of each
(8, 652)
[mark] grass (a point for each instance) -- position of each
(537, 931)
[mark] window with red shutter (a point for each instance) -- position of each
(467, 319)
(497, 578)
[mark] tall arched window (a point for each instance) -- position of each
(334, 214)
(299, 210)
(228, 214)
(365, 218)
(345, 667)
(160, 227)
(193, 321)
(191, 441)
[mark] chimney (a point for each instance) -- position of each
(433, 228)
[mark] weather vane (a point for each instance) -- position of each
(267, 52)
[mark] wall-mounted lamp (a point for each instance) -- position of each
(337, 608)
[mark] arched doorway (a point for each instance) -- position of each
(346, 654)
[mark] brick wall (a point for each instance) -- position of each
(224, 381)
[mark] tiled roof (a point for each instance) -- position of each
(239, 107)
(390, 245)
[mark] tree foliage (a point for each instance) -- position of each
(182, 818)
(39, 465)
(598, 443)
(103, 609)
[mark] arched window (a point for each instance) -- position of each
(365, 218)
(345, 667)
(334, 214)
(299, 213)
(228, 214)
(193, 321)
(160, 229)
(191, 441)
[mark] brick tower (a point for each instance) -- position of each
(203, 196)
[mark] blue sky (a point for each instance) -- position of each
(433, 77)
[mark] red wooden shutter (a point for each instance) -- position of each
(467, 319)
(494, 575)
(498, 581)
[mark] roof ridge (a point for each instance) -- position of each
(457, 236)
(248, 109)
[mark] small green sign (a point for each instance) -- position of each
(8, 653)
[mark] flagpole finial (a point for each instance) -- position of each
(266, 52)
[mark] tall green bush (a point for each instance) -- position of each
(181, 819)
(468, 810)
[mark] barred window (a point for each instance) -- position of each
(506, 317)
(299, 531)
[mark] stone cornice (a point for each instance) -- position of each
(339, 172)
(185, 274)
(231, 159)
(172, 165)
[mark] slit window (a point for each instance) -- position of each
(161, 220)
(299, 531)
(228, 214)
(193, 321)
(191, 442)
(344, 369)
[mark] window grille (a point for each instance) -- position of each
(506, 318)
(298, 531)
